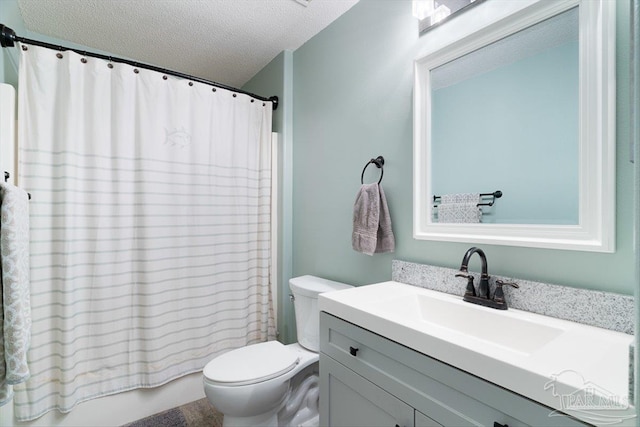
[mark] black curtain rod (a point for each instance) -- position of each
(8, 38)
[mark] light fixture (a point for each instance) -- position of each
(422, 9)
(432, 12)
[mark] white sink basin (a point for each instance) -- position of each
(511, 333)
(543, 358)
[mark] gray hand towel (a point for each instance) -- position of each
(372, 231)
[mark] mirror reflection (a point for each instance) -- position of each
(506, 117)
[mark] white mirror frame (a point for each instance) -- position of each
(597, 156)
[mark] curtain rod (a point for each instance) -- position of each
(8, 38)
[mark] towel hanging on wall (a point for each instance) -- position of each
(372, 231)
(15, 315)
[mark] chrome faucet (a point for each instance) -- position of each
(482, 297)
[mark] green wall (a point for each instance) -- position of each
(353, 87)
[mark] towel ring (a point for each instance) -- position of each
(379, 162)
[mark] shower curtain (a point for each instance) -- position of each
(150, 226)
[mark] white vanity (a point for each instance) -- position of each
(396, 354)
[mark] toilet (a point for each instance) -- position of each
(271, 384)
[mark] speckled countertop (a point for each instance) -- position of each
(596, 308)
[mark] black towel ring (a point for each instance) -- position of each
(379, 162)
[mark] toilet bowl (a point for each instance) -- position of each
(271, 384)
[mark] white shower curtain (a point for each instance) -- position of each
(150, 226)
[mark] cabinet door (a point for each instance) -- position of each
(423, 421)
(349, 400)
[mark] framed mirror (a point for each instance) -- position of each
(514, 130)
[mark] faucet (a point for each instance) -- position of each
(483, 290)
(482, 297)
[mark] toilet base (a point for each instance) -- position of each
(298, 408)
(301, 407)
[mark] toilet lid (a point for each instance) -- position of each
(251, 364)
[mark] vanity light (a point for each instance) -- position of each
(439, 14)
(430, 9)
(422, 9)
(432, 12)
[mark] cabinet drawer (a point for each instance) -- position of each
(441, 392)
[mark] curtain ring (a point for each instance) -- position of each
(379, 162)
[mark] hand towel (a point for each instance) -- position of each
(459, 208)
(372, 231)
(15, 315)
(385, 241)
(459, 213)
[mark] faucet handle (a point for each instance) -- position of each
(471, 290)
(502, 282)
(498, 295)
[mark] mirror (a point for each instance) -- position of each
(518, 98)
(525, 105)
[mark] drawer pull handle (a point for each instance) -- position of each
(353, 350)
(497, 424)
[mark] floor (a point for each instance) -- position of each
(195, 414)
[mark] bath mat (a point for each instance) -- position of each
(195, 414)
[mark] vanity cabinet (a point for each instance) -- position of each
(369, 380)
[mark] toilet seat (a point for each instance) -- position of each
(251, 364)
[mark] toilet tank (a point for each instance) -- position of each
(305, 290)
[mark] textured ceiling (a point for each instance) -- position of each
(227, 41)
